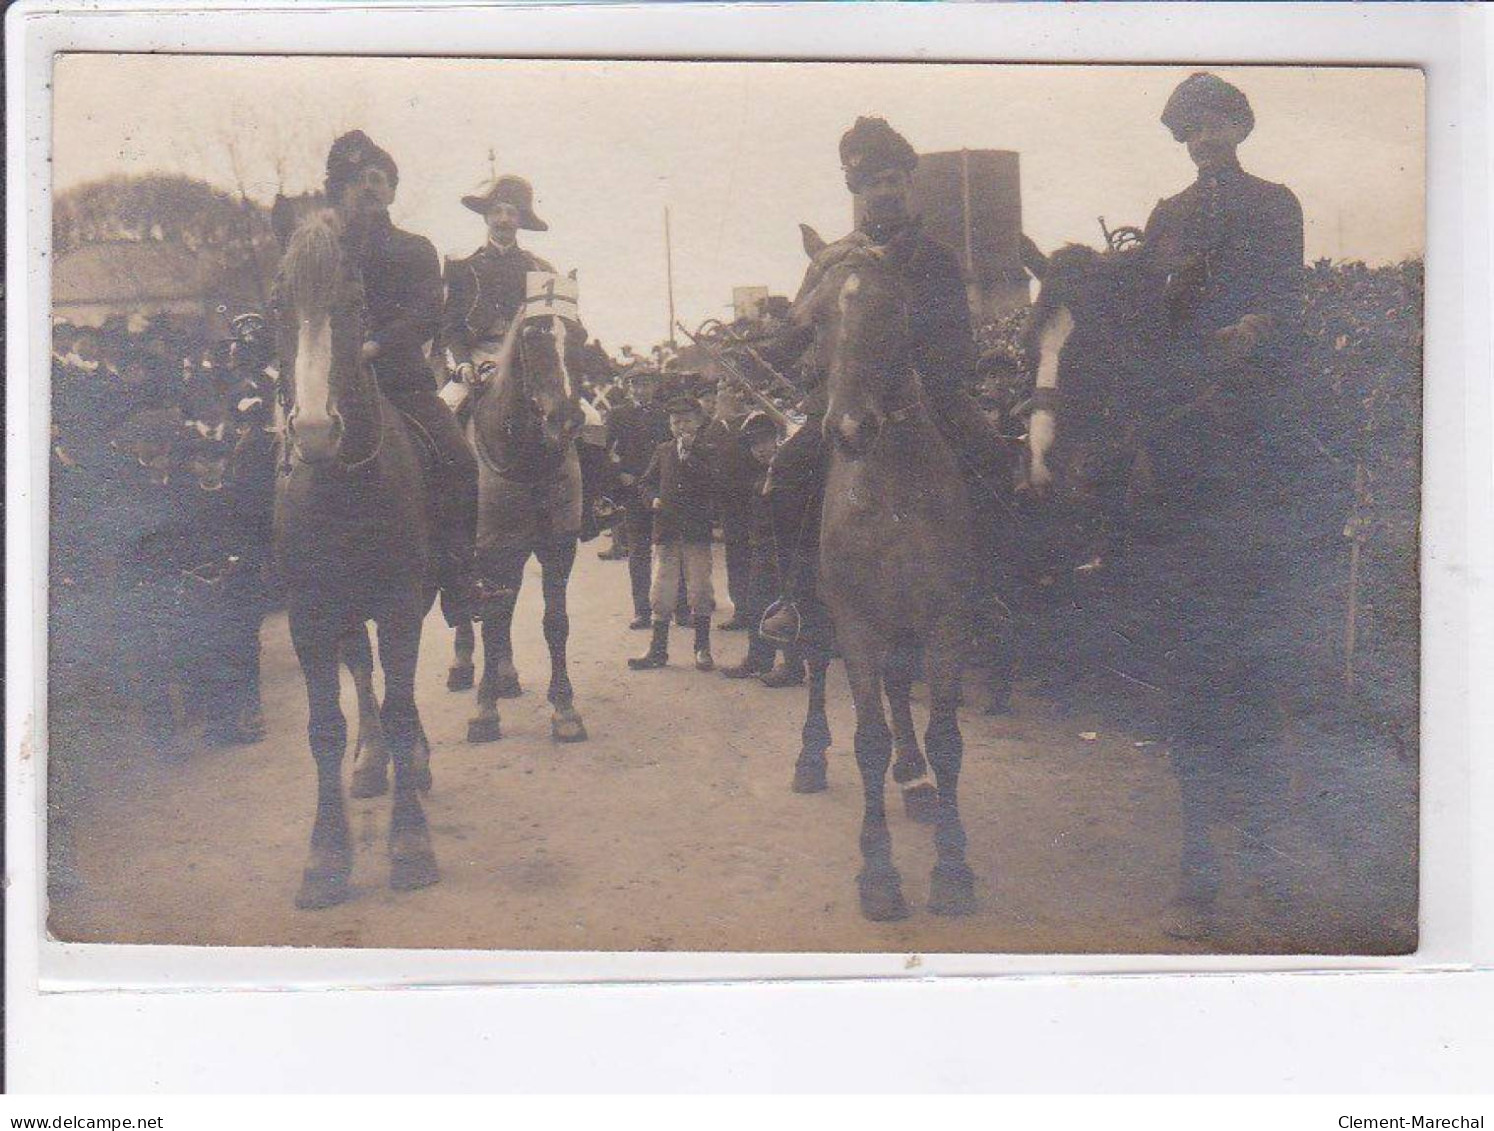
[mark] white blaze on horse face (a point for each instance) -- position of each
(558, 333)
(1042, 428)
(313, 375)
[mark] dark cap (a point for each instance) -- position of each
(349, 156)
(682, 404)
(507, 189)
(871, 147)
(1204, 95)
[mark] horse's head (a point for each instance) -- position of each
(319, 319)
(546, 373)
(858, 308)
(1087, 331)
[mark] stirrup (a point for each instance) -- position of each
(789, 626)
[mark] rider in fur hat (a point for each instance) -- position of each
(879, 163)
(402, 289)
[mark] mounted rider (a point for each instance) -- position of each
(401, 276)
(1242, 482)
(879, 163)
(485, 291)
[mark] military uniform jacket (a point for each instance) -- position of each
(402, 288)
(1231, 245)
(686, 491)
(483, 293)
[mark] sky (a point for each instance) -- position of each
(739, 153)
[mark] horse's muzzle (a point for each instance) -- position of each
(317, 441)
(856, 433)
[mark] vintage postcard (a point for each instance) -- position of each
(735, 506)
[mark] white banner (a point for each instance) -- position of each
(545, 293)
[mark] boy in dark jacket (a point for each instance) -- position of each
(760, 436)
(680, 490)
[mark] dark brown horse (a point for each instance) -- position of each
(524, 427)
(1176, 475)
(895, 557)
(352, 544)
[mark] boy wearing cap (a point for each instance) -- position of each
(680, 490)
(760, 437)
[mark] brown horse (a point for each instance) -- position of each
(524, 428)
(895, 556)
(351, 544)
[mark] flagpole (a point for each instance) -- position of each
(669, 273)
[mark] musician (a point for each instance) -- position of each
(402, 290)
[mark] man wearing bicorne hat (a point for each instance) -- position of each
(485, 290)
(402, 290)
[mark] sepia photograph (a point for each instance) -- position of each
(779, 507)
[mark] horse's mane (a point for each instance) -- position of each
(313, 262)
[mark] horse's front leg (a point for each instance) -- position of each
(910, 770)
(499, 678)
(811, 771)
(325, 881)
(370, 752)
(952, 889)
(412, 863)
(879, 883)
(461, 674)
(555, 564)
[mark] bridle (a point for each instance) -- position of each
(284, 397)
(518, 373)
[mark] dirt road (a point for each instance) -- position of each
(673, 828)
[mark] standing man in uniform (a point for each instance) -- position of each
(1230, 249)
(402, 289)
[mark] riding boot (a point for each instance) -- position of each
(459, 599)
(658, 650)
(703, 660)
(789, 671)
(759, 660)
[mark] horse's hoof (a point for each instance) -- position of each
(321, 888)
(810, 776)
(484, 729)
(369, 781)
(460, 677)
(568, 728)
(882, 897)
(414, 869)
(952, 890)
(921, 803)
